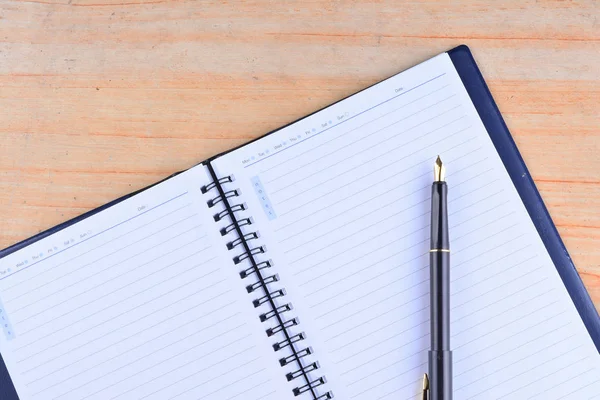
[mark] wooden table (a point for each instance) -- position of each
(102, 97)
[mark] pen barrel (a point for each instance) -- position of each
(439, 292)
(440, 356)
(440, 375)
(439, 265)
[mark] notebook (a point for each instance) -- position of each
(296, 267)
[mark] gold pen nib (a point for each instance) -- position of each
(425, 387)
(439, 171)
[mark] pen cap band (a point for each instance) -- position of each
(439, 216)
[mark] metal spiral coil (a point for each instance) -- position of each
(264, 281)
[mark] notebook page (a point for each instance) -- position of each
(137, 302)
(346, 197)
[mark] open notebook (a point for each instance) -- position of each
(295, 267)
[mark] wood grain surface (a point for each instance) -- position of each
(102, 97)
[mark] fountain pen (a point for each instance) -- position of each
(439, 381)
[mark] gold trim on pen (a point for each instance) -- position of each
(439, 250)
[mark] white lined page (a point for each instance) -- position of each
(137, 302)
(346, 198)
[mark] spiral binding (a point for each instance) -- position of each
(263, 280)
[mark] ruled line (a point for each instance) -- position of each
(485, 252)
(220, 349)
(228, 385)
(379, 329)
(405, 386)
(344, 360)
(43, 272)
(569, 379)
(424, 349)
(382, 233)
(350, 131)
(426, 321)
(457, 238)
(93, 236)
(379, 384)
(361, 151)
(364, 255)
(263, 396)
(207, 368)
(401, 251)
(62, 289)
(397, 361)
(488, 277)
(328, 245)
(45, 337)
(454, 321)
(362, 283)
(162, 335)
(222, 387)
(377, 143)
(379, 301)
(104, 295)
(411, 397)
(153, 299)
(55, 370)
(142, 357)
(538, 380)
(247, 390)
(346, 120)
(496, 356)
(97, 260)
(579, 389)
(296, 208)
(342, 201)
(373, 264)
(471, 299)
(528, 315)
(456, 334)
(393, 188)
(545, 348)
(349, 330)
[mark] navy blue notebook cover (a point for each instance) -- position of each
(505, 146)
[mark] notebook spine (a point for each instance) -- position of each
(265, 284)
